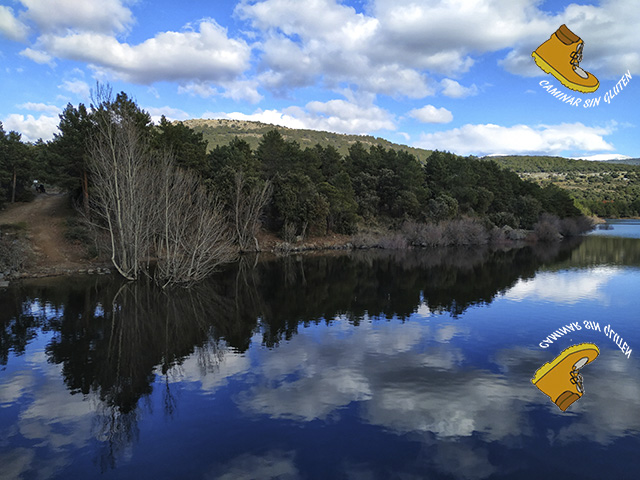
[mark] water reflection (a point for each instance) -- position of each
(414, 355)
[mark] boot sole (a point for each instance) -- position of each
(552, 71)
(547, 367)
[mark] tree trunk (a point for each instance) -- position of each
(85, 191)
(13, 192)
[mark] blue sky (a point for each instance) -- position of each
(454, 75)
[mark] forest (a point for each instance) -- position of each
(123, 171)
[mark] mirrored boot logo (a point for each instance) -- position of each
(560, 379)
(561, 56)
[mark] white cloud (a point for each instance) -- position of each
(106, 16)
(79, 87)
(273, 117)
(327, 42)
(32, 128)
(39, 107)
(609, 31)
(242, 90)
(393, 46)
(37, 56)
(487, 139)
(453, 89)
(204, 90)
(169, 112)
(339, 116)
(204, 55)
(10, 26)
(603, 157)
(431, 114)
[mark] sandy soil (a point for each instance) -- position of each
(45, 220)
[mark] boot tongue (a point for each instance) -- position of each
(580, 72)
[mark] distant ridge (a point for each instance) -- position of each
(625, 161)
(222, 131)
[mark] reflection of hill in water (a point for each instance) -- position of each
(596, 250)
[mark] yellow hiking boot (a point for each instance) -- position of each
(560, 379)
(561, 56)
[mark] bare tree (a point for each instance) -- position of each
(149, 207)
(248, 202)
(194, 238)
(120, 166)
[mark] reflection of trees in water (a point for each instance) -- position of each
(602, 250)
(386, 284)
(113, 338)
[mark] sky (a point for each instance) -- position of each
(454, 75)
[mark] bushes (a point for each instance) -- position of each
(14, 252)
(464, 231)
(550, 228)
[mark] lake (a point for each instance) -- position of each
(409, 364)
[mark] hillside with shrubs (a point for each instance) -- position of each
(606, 189)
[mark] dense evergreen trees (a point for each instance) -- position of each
(315, 190)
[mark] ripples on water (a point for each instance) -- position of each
(413, 364)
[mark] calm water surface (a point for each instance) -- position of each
(369, 365)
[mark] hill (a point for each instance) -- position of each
(221, 132)
(625, 161)
(544, 164)
(603, 188)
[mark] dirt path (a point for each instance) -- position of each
(45, 221)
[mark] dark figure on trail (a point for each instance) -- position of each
(40, 188)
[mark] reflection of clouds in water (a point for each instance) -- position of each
(55, 421)
(567, 287)
(463, 461)
(422, 389)
(310, 376)
(406, 380)
(610, 407)
(424, 311)
(15, 463)
(273, 465)
(15, 386)
(450, 404)
(209, 367)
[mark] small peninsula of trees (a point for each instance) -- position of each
(163, 197)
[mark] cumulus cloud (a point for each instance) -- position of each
(487, 139)
(78, 87)
(340, 116)
(106, 16)
(39, 107)
(326, 42)
(431, 114)
(607, 30)
(37, 56)
(203, 55)
(32, 128)
(393, 46)
(170, 113)
(453, 89)
(10, 26)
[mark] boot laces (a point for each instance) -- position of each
(576, 379)
(576, 57)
